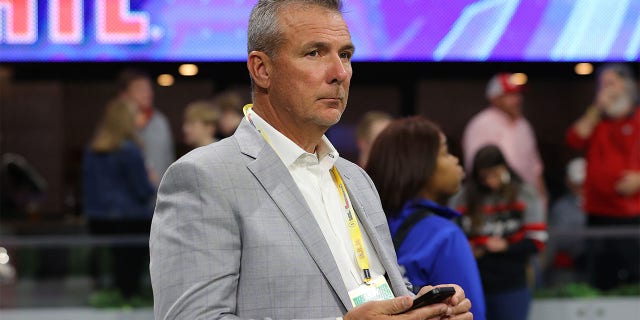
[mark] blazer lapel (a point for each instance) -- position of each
(388, 259)
(278, 183)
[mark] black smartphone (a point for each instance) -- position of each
(436, 295)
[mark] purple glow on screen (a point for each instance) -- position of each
(383, 30)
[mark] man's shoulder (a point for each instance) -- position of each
(159, 117)
(224, 147)
(157, 122)
(480, 119)
(342, 162)
(221, 153)
(487, 114)
(347, 167)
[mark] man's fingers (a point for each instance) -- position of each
(462, 307)
(464, 316)
(399, 304)
(424, 290)
(428, 312)
(458, 296)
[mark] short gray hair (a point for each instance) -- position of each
(264, 33)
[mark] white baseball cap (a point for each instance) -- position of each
(500, 84)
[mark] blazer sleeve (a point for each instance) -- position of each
(194, 245)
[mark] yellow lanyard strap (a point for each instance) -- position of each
(354, 227)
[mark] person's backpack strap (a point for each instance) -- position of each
(407, 225)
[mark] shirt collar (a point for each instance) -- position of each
(422, 203)
(287, 150)
(504, 116)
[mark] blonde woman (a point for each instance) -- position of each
(117, 190)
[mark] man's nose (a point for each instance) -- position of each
(338, 71)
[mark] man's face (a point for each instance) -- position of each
(613, 95)
(511, 103)
(196, 131)
(140, 92)
(610, 82)
(312, 70)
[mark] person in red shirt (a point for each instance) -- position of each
(609, 134)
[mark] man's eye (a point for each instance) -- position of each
(313, 53)
(345, 55)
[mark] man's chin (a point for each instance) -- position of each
(330, 121)
(327, 123)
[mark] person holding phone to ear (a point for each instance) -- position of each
(608, 134)
(415, 174)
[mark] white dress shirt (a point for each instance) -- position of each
(312, 176)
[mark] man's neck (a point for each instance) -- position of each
(306, 137)
(512, 117)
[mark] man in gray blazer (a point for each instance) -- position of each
(264, 224)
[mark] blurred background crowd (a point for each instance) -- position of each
(547, 160)
(478, 122)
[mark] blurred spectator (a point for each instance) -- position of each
(231, 104)
(609, 133)
(200, 123)
(567, 214)
(22, 188)
(503, 124)
(157, 141)
(414, 173)
(506, 227)
(370, 125)
(117, 190)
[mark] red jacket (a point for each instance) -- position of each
(612, 149)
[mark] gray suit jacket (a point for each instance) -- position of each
(233, 237)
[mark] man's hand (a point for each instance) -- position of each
(629, 183)
(604, 98)
(585, 125)
(455, 308)
(458, 305)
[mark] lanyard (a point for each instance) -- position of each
(352, 222)
(353, 226)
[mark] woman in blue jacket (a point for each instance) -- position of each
(117, 191)
(415, 174)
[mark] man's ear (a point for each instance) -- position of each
(259, 65)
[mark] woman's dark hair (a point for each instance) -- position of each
(403, 159)
(487, 157)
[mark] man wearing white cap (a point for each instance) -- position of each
(566, 213)
(503, 124)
